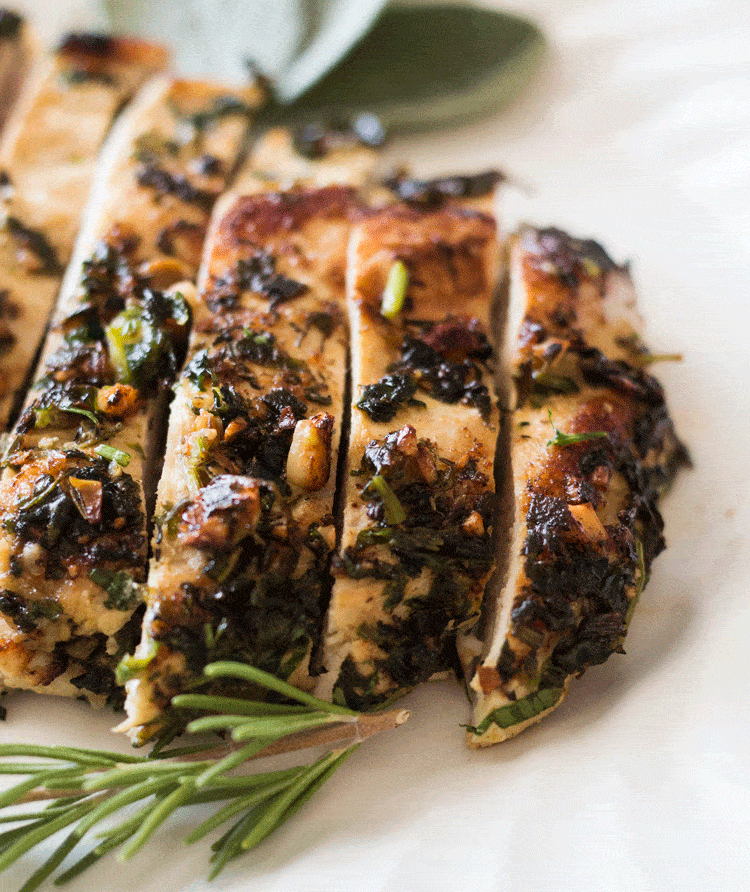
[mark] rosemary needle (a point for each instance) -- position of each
(87, 788)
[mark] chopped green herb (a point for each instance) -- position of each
(640, 581)
(521, 710)
(130, 665)
(145, 341)
(646, 359)
(123, 593)
(394, 295)
(394, 512)
(382, 400)
(111, 454)
(549, 382)
(561, 439)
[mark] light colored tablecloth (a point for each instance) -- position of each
(637, 132)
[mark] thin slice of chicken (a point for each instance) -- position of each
(244, 522)
(417, 495)
(81, 456)
(48, 155)
(588, 448)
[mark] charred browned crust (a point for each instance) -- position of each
(262, 228)
(441, 190)
(580, 575)
(261, 217)
(443, 270)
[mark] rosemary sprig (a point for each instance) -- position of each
(88, 788)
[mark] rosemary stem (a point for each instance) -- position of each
(48, 828)
(157, 817)
(258, 676)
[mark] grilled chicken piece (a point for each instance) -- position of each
(416, 547)
(15, 55)
(48, 155)
(74, 542)
(244, 523)
(590, 447)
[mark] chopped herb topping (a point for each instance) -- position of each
(433, 193)
(546, 382)
(61, 406)
(108, 278)
(382, 401)
(147, 341)
(646, 359)
(260, 596)
(393, 513)
(78, 75)
(561, 439)
(111, 454)
(316, 140)
(81, 517)
(154, 176)
(427, 514)
(570, 258)
(152, 145)
(122, 592)
(257, 274)
(31, 242)
(394, 295)
(10, 24)
(232, 356)
(445, 379)
(25, 613)
(221, 107)
(520, 710)
(131, 666)
(87, 44)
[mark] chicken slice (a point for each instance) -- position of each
(16, 51)
(77, 472)
(244, 521)
(417, 495)
(588, 447)
(48, 155)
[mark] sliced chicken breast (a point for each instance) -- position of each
(48, 155)
(244, 523)
(588, 448)
(417, 494)
(80, 459)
